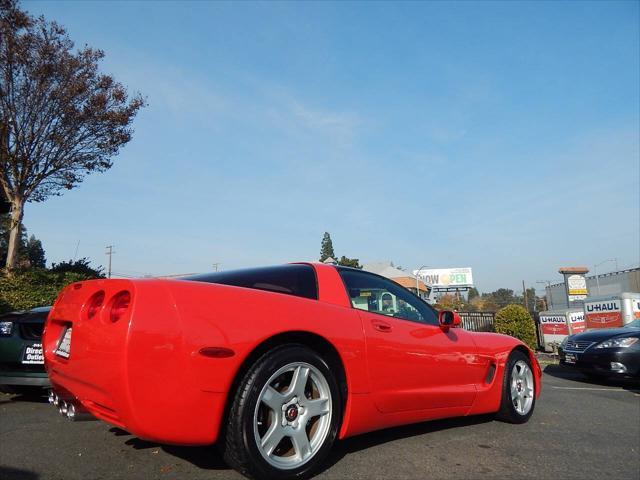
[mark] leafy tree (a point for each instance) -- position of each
(473, 293)
(514, 320)
(532, 300)
(326, 247)
(81, 267)
(60, 118)
(349, 262)
(35, 253)
(449, 302)
(503, 297)
(485, 303)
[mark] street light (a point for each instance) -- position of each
(595, 270)
(418, 278)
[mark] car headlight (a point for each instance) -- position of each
(5, 328)
(617, 343)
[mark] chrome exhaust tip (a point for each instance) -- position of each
(52, 397)
(71, 411)
(62, 407)
(77, 414)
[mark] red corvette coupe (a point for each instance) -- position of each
(273, 364)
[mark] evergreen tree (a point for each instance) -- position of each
(326, 248)
(35, 253)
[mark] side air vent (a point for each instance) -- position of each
(490, 373)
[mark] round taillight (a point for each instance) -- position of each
(119, 305)
(95, 304)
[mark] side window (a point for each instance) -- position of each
(378, 295)
(292, 279)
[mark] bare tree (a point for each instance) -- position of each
(60, 118)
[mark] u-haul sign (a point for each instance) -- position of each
(603, 314)
(554, 325)
(576, 322)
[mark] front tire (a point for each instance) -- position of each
(518, 389)
(284, 416)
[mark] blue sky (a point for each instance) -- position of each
(502, 136)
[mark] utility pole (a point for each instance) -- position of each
(524, 295)
(110, 252)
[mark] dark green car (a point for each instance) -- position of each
(21, 357)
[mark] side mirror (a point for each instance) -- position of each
(448, 319)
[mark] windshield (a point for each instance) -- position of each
(634, 324)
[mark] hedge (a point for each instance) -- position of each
(515, 320)
(33, 288)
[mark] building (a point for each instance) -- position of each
(406, 279)
(603, 284)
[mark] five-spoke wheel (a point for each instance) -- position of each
(285, 415)
(293, 415)
(518, 389)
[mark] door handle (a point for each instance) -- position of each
(381, 326)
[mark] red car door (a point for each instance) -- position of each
(413, 364)
(418, 366)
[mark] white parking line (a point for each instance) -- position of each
(590, 388)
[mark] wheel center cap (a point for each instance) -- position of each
(291, 413)
(519, 386)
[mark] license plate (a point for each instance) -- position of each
(32, 355)
(570, 358)
(64, 345)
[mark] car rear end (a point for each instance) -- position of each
(115, 349)
(21, 359)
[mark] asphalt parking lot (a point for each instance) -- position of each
(579, 430)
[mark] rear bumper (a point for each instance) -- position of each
(599, 362)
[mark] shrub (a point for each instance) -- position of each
(35, 287)
(514, 320)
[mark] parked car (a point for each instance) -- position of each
(21, 358)
(273, 364)
(606, 352)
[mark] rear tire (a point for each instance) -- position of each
(518, 389)
(284, 416)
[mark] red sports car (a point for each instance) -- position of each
(274, 364)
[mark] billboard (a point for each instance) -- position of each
(446, 277)
(577, 285)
